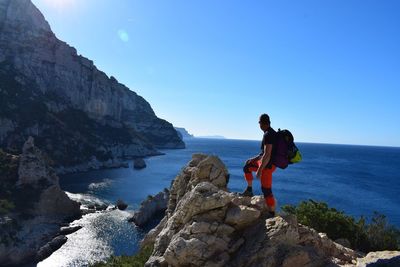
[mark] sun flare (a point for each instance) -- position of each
(60, 4)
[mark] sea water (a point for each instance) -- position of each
(356, 179)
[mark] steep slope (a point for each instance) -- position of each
(182, 132)
(73, 109)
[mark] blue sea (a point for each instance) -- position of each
(356, 179)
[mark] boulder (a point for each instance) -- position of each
(139, 163)
(241, 216)
(66, 230)
(55, 202)
(200, 168)
(150, 208)
(101, 207)
(121, 205)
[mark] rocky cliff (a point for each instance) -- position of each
(74, 111)
(37, 206)
(205, 225)
(183, 133)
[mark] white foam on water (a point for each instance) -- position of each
(95, 241)
(105, 183)
(85, 199)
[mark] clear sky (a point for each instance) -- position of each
(327, 70)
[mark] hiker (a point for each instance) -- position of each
(262, 165)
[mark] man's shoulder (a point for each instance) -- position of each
(269, 136)
(270, 132)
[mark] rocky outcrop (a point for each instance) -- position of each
(66, 230)
(33, 169)
(183, 133)
(121, 205)
(150, 208)
(50, 247)
(34, 172)
(380, 259)
(139, 163)
(74, 111)
(40, 206)
(205, 225)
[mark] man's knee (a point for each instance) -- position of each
(246, 168)
(268, 196)
(267, 192)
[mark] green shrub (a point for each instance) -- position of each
(6, 206)
(363, 236)
(381, 235)
(8, 231)
(137, 260)
(8, 166)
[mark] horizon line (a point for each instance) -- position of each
(302, 142)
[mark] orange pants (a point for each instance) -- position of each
(266, 179)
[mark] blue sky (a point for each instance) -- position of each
(327, 70)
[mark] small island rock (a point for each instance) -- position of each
(139, 163)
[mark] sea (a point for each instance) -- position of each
(358, 180)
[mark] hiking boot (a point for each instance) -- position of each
(247, 193)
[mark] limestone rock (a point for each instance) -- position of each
(241, 216)
(200, 168)
(33, 169)
(207, 226)
(66, 230)
(344, 242)
(150, 208)
(55, 202)
(380, 258)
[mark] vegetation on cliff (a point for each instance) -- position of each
(363, 235)
(137, 260)
(8, 176)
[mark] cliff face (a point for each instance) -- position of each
(205, 225)
(47, 89)
(183, 133)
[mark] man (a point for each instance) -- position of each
(262, 164)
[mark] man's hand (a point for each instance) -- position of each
(259, 172)
(251, 159)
